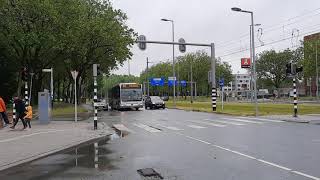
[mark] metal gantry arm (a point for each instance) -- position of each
(213, 64)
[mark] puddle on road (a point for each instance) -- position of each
(92, 156)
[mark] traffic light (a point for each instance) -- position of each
(299, 69)
(96, 69)
(182, 47)
(24, 74)
(292, 69)
(288, 69)
(142, 45)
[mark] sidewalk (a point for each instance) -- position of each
(19, 146)
(311, 118)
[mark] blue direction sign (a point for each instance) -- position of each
(183, 83)
(170, 82)
(157, 81)
(221, 82)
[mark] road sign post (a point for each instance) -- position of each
(221, 84)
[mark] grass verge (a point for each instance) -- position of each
(247, 109)
(60, 109)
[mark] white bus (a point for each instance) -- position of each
(126, 96)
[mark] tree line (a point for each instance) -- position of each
(64, 35)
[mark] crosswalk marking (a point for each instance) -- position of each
(225, 122)
(242, 120)
(170, 127)
(261, 119)
(195, 126)
(208, 123)
(147, 128)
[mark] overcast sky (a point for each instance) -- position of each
(283, 23)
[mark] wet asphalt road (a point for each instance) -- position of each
(185, 146)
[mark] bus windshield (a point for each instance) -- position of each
(131, 94)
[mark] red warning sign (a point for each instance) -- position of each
(245, 62)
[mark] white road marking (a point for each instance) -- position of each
(208, 123)
(224, 122)
(275, 165)
(306, 175)
(251, 157)
(147, 128)
(242, 120)
(28, 135)
(196, 127)
(194, 138)
(170, 127)
(261, 119)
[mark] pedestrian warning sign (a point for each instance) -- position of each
(245, 62)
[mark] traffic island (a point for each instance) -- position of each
(312, 119)
(20, 146)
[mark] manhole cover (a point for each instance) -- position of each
(149, 172)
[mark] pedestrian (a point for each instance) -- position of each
(28, 116)
(3, 112)
(20, 112)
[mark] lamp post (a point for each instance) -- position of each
(32, 74)
(253, 56)
(173, 62)
(148, 62)
(251, 74)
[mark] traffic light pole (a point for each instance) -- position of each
(26, 91)
(295, 100)
(213, 79)
(95, 96)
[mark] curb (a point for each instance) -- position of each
(296, 121)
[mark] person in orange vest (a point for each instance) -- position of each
(28, 116)
(3, 113)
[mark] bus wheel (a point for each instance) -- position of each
(137, 109)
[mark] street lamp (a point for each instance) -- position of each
(148, 62)
(30, 94)
(251, 84)
(253, 56)
(173, 62)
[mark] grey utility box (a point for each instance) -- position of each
(44, 107)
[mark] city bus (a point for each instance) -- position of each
(126, 96)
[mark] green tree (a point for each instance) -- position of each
(311, 52)
(66, 35)
(271, 66)
(201, 64)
